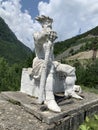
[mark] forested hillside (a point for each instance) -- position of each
(14, 56)
(87, 68)
(87, 38)
(10, 47)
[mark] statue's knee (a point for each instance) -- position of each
(72, 71)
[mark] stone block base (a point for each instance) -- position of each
(30, 85)
(72, 115)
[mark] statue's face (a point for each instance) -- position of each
(47, 24)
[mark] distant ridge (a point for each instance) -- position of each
(82, 55)
(76, 44)
(11, 48)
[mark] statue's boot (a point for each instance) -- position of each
(73, 94)
(51, 103)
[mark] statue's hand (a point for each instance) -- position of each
(52, 35)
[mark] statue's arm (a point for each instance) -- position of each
(40, 37)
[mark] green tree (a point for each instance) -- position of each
(4, 68)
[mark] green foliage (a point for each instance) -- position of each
(14, 55)
(92, 75)
(80, 72)
(91, 123)
(86, 72)
(72, 52)
(87, 75)
(87, 38)
(10, 47)
(3, 73)
(10, 75)
(5, 33)
(29, 61)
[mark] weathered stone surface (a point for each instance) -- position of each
(14, 115)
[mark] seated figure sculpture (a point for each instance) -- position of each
(44, 67)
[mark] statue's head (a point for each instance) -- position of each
(45, 21)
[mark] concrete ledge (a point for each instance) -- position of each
(72, 115)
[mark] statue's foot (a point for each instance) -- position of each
(75, 95)
(52, 105)
(72, 94)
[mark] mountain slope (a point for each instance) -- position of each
(82, 55)
(10, 47)
(84, 40)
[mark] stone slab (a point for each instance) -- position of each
(14, 117)
(68, 106)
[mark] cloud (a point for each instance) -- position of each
(20, 23)
(69, 16)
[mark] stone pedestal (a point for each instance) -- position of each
(29, 85)
(72, 115)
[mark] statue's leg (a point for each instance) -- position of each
(69, 81)
(69, 88)
(49, 95)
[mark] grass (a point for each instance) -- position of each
(88, 89)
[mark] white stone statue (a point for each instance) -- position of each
(48, 76)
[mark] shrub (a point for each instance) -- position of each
(91, 123)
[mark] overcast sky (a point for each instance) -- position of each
(70, 16)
